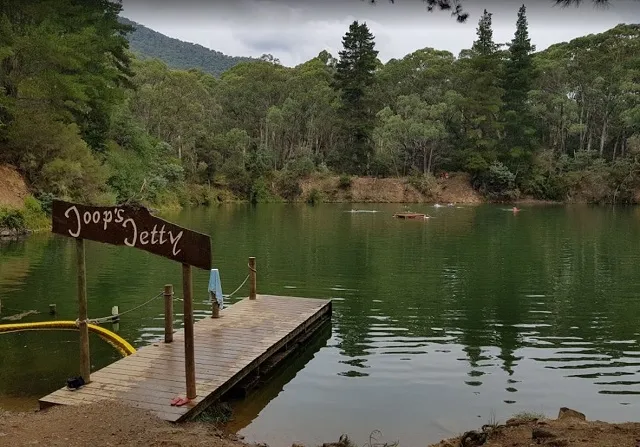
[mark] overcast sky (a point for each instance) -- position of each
(297, 30)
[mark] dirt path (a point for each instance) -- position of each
(107, 424)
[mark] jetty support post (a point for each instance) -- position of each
(189, 352)
(168, 313)
(252, 278)
(215, 307)
(85, 356)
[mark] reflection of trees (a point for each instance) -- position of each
(481, 273)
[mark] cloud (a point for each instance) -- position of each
(297, 30)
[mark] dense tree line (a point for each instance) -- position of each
(83, 119)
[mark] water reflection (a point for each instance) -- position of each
(435, 323)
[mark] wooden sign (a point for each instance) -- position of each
(134, 227)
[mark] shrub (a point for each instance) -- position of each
(344, 182)
(497, 182)
(34, 216)
(427, 185)
(289, 186)
(301, 167)
(12, 219)
(261, 192)
(314, 197)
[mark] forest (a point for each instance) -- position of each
(85, 120)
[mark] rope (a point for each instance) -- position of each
(111, 317)
(239, 287)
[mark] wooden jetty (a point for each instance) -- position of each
(410, 216)
(228, 349)
(215, 354)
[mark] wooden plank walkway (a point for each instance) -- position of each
(226, 350)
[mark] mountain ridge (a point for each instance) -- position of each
(150, 44)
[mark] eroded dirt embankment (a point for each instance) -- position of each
(13, 189)
(455, 189)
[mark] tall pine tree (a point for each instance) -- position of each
(480, 85)
(354, 77)
(518, 80)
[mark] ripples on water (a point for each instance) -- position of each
(437, 325)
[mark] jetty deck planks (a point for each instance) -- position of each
(227, 349)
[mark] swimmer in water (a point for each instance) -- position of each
(515, 209)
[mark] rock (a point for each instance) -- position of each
(473, 439)
(539, 433)
(568, 413)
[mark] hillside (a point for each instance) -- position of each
(147, 43)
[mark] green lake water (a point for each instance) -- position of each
(439, 326)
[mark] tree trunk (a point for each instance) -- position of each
(603, 136)
(615, 147)
(424, 160)
(430, 158)
(581, 117)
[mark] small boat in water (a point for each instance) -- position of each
(410, 216)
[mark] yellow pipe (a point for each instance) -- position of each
(113, 339)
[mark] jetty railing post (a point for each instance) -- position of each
(85, 357)
(189, 354)
(252, 278)
(168, 313)
(215, 307)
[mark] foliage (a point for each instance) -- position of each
(12, 219)
(288, 186)
(32, 217)
(35, 217)
(84, 121)
(314, 197)
(345, 181)
(425, 184)
(498, 182)
(353, 77)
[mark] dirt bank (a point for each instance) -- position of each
(106, 424)
(457, 188)
(13, 188)
(112, 424)
(571, 429)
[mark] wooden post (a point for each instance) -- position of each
(215, 307)
(168, 313)
(252, 278)
(189, 352)
(85, 357)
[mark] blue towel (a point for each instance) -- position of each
(215, 286)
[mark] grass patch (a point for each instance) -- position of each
(219, 413)
(528, 416)
(344, 441)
